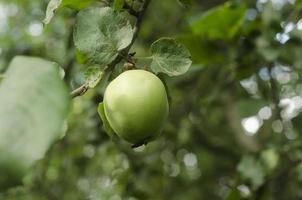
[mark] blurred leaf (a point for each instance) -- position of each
(118, 4)
(270, 14)
(170, 57)
(100, 33)
(298, 3)
(53, 5)
(106, 124)
(36, 103)
(221, 22)
(93, 76)
(251, 169)
(270, 159)
(249, 107)
(62, 73)
(265, 47)
(77, 4)
(298, 172)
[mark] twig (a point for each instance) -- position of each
(275, 93)
(83, 88)
(138, 23)
(127, 58)
(79, 91)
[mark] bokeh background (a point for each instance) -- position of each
(234, 130)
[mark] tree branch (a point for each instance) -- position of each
(139, 22)
(275, 93)
(140, 15)
(248, 143)
(69, 46)
(79, 91)
(130, 10)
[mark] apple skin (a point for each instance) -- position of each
(136, 106)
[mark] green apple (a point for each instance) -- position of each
(136, 106)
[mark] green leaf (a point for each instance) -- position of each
(221, 22)
(53, 5)
(77, 4)
(106, 124)
(35, 102)
(101, 33)
(170, 57)
(93, 76)
(118, 4)
(270, 159)
(251, 169)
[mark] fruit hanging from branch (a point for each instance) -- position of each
(136, 106)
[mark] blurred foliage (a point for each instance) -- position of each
(29, 109)
(230, 133)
